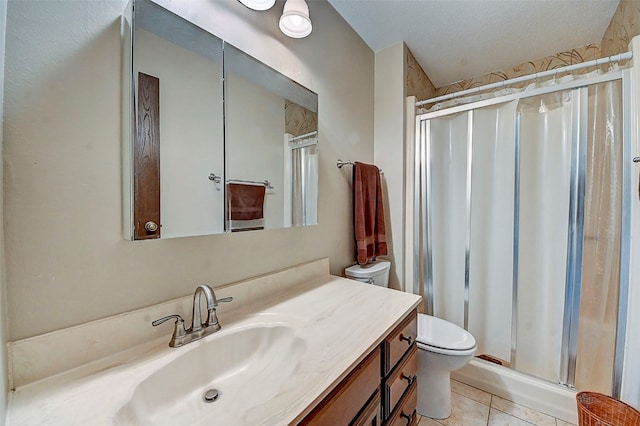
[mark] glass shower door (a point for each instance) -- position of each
(522, 230)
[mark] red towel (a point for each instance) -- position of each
(246, 202)
(368, 213)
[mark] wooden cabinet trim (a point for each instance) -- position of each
(146, 159)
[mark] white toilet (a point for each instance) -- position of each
(442, 347)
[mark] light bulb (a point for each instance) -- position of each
(295, 20)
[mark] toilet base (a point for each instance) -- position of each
(434, 394)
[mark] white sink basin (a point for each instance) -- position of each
(246, 365)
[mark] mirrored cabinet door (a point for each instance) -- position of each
(217, 141)
(178, 142)
(272, 135)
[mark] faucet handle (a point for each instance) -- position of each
(167, 318)
(212, 318)
(178, 329)
(225, 299)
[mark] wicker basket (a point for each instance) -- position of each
(596, 409)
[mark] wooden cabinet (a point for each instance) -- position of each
(381, 390)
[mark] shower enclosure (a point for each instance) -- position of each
(521, 229)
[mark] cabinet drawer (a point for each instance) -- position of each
(399, 342)
(400, 379)
(405, 414)
(342, 405)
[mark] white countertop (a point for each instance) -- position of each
(338, 320)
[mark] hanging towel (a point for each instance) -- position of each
(368, 213)
(246, 202)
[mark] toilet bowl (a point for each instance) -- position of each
(442, 348)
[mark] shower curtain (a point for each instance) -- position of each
(500, 183)
(545, 168)
(491, 239)
(599, 301)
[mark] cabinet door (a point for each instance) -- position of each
(370, 414)
(344, 403)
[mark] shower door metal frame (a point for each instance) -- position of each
(575, 237)
(625, 229)
(423, 282)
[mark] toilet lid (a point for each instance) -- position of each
(439, 333)
(369, 270)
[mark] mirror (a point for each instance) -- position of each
(206, 155)
(271, 129)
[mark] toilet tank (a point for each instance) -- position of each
(376, 272)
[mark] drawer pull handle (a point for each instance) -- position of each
(409, 417)
(408, 339)
(409, 379)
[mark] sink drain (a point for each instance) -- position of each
(211, 395)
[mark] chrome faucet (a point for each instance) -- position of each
(198, 329)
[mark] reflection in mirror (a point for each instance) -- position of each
(187, 144)
(271, 132)
(202, 156)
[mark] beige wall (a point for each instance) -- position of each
(67, 262)
(4, 383)
(389, 150)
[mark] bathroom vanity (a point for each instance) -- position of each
(298, 346)
(387, 374)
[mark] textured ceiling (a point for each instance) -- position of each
(458, 39)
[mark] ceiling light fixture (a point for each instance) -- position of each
(295, 21)
(258, 4)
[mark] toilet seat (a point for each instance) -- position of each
(440, 336)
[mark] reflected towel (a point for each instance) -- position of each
(246, 202)
(368, 213)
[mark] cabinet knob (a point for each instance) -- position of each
(407, 339)
(409, 379)
(408, 417)
(151, 226)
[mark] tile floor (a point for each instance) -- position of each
(471, 407)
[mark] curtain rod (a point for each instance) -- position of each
(306, 135)
(601, 61)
